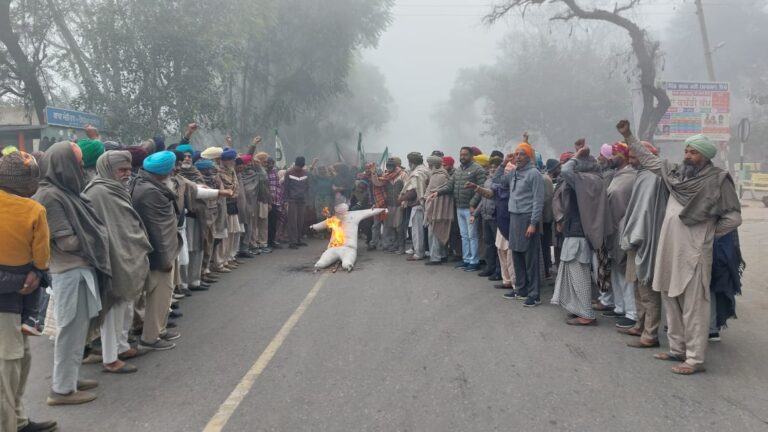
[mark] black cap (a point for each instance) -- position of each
(300, 162)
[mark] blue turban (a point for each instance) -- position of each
(204, 164)
(195, 156)
(185, 148)
(160, 163)
(228, 155)
(703, 145)
(539, 161)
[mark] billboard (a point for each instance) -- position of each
(696, 108)
(71, 119)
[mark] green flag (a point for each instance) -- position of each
(360, 151)
(384, 157)
(338, 153)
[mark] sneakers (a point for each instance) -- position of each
(433, 263)
(86, 384)
(74, 398)
(472, 267)
(714, 337)
(199, 288)
(265, 250)
(612, 314)
(46, 426)
(531, 302)
(170, 336)
(461, 265)
(512, 295)
(158, 345)
(625, 323)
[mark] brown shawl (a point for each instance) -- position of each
(438, 211)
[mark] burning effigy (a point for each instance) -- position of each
(343, 227)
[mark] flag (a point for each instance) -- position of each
(384, 157)
(279, 154)
(360, 151)
(338, 153)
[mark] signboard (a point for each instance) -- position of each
(696, 108)
(71, 119)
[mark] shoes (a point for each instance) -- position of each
(30, 330)
(472, 267)
(409, 251)
(275, 246)
(715, 337)
(494, 277)
(246, 254)
(266, 250)
(158, 345)
(531, 302)
(433, 263)
(222, 270)
(293, 246)
(46, 426)
(186, 291)
(512, 295)
(175, 314)
(399, 252)
(414, 258)
(92, 358)
(178, 296)
(175, 306)
(170, 336)
(602, 308)
(201, 287)
(86, 384)
(462, 265)
(502, 286)
(302, 244)
(170, 324)
(125, 369)
(485, 273)
(612, 314)
(132, 353)
(208, 280)
(625, 323)
(74, 398)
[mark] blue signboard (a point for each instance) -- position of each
(72, 119)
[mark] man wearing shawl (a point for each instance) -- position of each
(229, 246)
(80, 261)
(702, 206)
(526, 204)
(640, 240)
(262, 201)
(276, 214)
(157, 206)
(438, 211)
(412, 196)
(392, 183)
(211, 212)
(129, 251)
(619, 192)
(23, 261)
(580, 211)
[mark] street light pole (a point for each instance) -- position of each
(705, 41)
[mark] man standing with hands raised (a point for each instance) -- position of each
(702, 206)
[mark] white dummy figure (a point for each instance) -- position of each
(347, 251)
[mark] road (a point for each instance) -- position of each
(397, 346)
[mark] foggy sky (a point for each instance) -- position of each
(428, 42)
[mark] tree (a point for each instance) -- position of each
(16, 66)
(646, 51)
(527, 89)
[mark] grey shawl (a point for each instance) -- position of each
(591, 198)
(642, 224)
(63, 184)
(438, 211)
(619, 192)
(129, 247)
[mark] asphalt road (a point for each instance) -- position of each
(397, 346)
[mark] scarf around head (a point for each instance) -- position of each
(62, 187)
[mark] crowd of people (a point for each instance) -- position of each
(103, 241)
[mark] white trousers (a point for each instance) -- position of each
(623, 293)
(114, 331)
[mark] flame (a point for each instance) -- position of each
(334, 226)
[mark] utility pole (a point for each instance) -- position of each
(705, 41)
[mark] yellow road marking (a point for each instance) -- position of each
(222, 416)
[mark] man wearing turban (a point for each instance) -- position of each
(702, 206)
(156, 205)
(526, 205)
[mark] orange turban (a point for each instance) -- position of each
(525, 147)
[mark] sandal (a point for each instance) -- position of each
(580, 322)
(668, 356)
(686, 369)
(632, 331)
(643, 343)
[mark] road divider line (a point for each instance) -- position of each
(222, 416)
